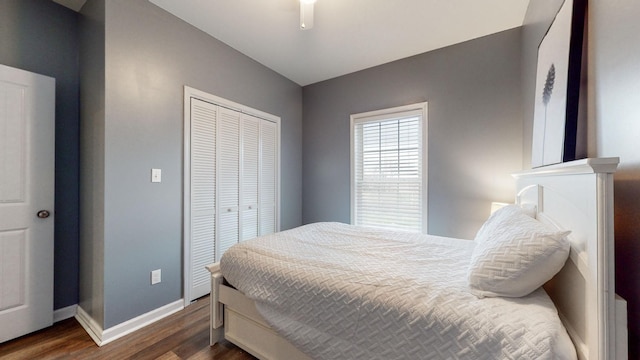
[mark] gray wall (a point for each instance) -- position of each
(41, 36)
(615, 79)
(613, 122)
(92, 150)
(474, 129)
(149, 56)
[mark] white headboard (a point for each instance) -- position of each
(578, 196)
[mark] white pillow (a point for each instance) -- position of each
(497, 218)
(515, 254)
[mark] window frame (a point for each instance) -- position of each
(388, 114)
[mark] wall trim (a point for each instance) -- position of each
(102, 337)
(90, 325)
(65, 313)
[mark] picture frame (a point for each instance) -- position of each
(557, 93)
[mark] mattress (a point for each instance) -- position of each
(338, 291)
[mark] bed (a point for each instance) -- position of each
(427, 306)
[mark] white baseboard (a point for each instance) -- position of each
(90, 325)
(102, 337)
(65, 313)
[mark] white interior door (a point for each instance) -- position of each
(27, 116)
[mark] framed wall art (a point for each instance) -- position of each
(558, 87)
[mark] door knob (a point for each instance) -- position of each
(43, 214)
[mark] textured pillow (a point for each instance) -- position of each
(496, 220)
(515, 254)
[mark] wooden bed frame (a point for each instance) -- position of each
(576, 196)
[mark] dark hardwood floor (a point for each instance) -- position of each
(183, 335)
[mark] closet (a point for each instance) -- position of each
(231, 181)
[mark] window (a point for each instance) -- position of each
(388, 168)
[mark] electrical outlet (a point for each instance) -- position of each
(156, 276)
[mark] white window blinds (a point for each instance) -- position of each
(388, 171)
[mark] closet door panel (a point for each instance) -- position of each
(249, 224)
(227, 232)
(203, 193)
(268, 177)
(250, 135)
(228, 151)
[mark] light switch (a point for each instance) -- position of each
(156, 175)
(156, 276)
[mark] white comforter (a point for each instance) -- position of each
(338, 291)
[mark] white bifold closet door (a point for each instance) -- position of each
(268, 177)
(250, 166)
(228, 180)
(204, 120)
(234, 184)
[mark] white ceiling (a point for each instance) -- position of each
(348, 35)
